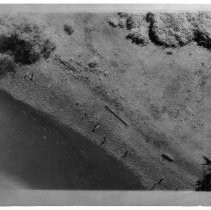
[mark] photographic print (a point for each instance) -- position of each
(105, 99)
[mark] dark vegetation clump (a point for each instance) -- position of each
(24, 40)
(169, 52)
(202, 30)
(6, 64)
(138, 38)
(111, 23)
(203, 39)
(168, 30)
(93, 62)
(179, 29)
(127, 21)
(117, 22)
(204, 184)
(68, 29)
(133, 21)
(92, 65)
(122, 14)
(114, 22)
(135, 24)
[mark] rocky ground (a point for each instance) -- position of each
(136, 85)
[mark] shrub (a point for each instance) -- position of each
(165, 29)
(133, 21)
(202, 30)
(170, 30)
(139, 37)
(68, 29)
(204, 184)
(126, 21)
(135, 24)
(6, 64)
(24, 39)
(114, 21)
(178, 29)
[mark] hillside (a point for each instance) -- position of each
(135, 85)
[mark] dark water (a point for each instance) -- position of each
(42, 155)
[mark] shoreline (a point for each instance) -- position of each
(81, 151)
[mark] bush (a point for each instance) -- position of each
(126, 21)
(204, 184)
(178, 29)
(165, 29)
(139, 37)
(133, 21)
(24, 39)
(6, 64)
(135, 24)
(68, 29)
(114, 21)
(170, 30)
(202, 30)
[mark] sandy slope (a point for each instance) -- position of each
(162, 98)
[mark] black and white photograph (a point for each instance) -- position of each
(105, 98)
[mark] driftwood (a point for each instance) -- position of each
(65, 63)
(117, 116)
(167, 157)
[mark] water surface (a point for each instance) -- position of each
(36, 153)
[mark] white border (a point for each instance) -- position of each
(105, 2)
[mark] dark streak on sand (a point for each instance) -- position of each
(117, 116)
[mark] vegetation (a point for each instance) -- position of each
(68, 29)
(165, 29)
(138, 37)
(204, 184)
(6, 64)
(24, 39)
(169, 29)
